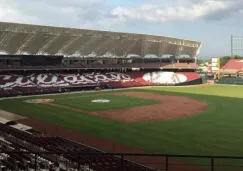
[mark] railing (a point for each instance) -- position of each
(129, 162)
(148, 65)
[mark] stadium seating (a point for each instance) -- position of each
(46, 80)
(181, 65)
(190, 75)
(51, 82)
(139, 78)
(24, 142)
(3, 92)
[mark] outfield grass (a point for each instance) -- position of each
(214, 90)
(217, 131)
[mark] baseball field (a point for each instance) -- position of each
(203, 120)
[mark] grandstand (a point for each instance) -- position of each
(42, 59)
(27, 149)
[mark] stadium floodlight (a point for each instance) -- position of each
(236, 45)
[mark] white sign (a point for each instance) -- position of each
(100, 101)
(215, 64)
(161, 77)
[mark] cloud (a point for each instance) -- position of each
(180, 10)
(8, 13)
(104, 14)
(69, 13)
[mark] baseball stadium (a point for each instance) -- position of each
(88, 100)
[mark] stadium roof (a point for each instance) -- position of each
(233, 66)
(46, 40)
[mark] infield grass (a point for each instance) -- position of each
(85, 103)
(217, 131)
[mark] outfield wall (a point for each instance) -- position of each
(192, 82)
(228, 80)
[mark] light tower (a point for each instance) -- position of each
(236, 45)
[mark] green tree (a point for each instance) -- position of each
(224, 60)
(200, 61)
(238, 57)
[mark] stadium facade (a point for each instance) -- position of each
(42, 59)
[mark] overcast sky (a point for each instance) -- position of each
(209, 21)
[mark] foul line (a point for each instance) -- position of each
(69, 108)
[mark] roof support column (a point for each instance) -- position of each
(26, 42)
(178, 53)
(101, 50)
(4, 39)
(69, 43)
(143, 47)
(196, 55)
(162, 48)
(86, 44)
(130, 47)
(47, 45)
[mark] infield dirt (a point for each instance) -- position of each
(169, 107)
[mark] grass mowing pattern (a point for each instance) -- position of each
(120, 102)
(217, 131)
